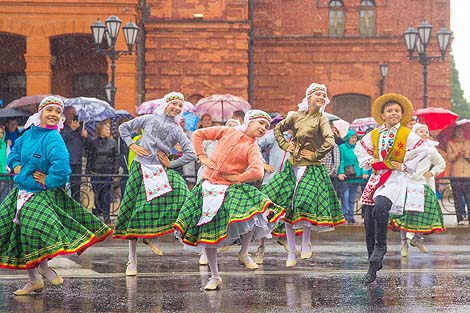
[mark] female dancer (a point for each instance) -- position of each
(154, 191)
(222, 209)
(38, 219)
(393, 151)
(303, 186)
(422, 214)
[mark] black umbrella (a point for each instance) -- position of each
(9, 113)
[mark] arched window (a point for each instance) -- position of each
(336, 18)
(367, 18)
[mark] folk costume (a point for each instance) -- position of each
(303, 187)
(422, 214)
(386, 189)
(154, 194)
(39, 221)
(218, 211)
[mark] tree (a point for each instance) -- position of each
(459, 104)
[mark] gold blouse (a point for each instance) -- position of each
(311, 131)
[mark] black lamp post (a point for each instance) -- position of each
(420, 39)
(383, 74)
(111, 30)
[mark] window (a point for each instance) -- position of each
(336, 19)
(367, 18)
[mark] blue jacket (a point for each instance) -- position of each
(40, 149)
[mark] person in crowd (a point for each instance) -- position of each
(39, 219)
(123, 151)
(458, 155)
(412, 122)
(102, 159)
(348, 173)
(189, 170)
(224, 209)
(12, 132)
(75, 136)
(205, 121)
(4, 178)
(154, 192)
(332, 159)
(273, 161)
(239, 116)
(422, 213)
(303, 187)
(393, 151)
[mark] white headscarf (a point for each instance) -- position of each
(253, 115)
(35, 119)
(169, 97)
(314, 87)
(416, 127)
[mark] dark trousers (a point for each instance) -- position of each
(376, 227)
(75, 181)
(461, 192)
(102, 192)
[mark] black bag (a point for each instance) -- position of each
(350, 170)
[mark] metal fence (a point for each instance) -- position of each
(111, 187)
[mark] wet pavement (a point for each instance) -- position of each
(329, 282)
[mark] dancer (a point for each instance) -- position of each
(39, 220)
(222, 209)
(303, 186)
(422, 214)
(393, 151)
(154, 192)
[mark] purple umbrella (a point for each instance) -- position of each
(221, 107)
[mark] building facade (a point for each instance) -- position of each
(267, 51)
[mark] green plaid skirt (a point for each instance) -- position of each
(244, 208)
(314, 201)
(427, 222)
(141, 219)
(51, 224)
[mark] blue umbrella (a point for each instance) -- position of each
(91, 109)
(119, 114)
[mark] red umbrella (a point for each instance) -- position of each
(446, 134)
(361, 125)
(436, 118)
(28, 103)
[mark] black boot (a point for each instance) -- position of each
(371, 274)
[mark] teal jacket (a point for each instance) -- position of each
(3, 159)
(40, 149)
(349, 158)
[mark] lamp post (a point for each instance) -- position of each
(111, 31)
(419, 39)
(383, 74)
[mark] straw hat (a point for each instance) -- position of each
(392, 97)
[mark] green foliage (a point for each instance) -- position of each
(459, 104)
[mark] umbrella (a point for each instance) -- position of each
(29, 103)
(221, 107)
(91, 126)
(91, 109)
(436, 118)
(151, 106)
(342, 127)
(331, 117)
(446, 134)
(361, 125)
(8, 113)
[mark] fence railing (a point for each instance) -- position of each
(111, 187)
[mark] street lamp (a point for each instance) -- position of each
(383, 74)
(111, 31)
(419, 39)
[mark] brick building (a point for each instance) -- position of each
(267, 51)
